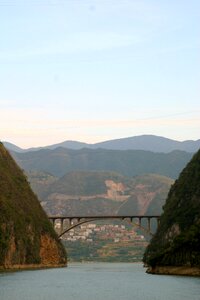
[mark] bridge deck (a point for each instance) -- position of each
(104, 217)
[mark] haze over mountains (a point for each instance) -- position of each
(143, 142)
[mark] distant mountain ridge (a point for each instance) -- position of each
(142, 142)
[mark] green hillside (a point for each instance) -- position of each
(27, 238)
(84, 183)
(148, 194)
(40, 181)
(177, 241)
(101, 193)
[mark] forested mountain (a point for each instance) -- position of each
(60, 161)
(27, 238)
(175, 247)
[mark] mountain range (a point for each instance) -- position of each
(60, 161)
(142, 142)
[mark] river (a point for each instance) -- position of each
(97, 281)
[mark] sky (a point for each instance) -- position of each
(96, 70)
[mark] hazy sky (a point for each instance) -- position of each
(93, 70)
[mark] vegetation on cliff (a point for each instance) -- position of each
(27, 237)
(177, 240)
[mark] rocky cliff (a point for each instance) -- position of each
(175, 248)
(27, 238)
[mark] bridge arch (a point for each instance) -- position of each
(88, 219)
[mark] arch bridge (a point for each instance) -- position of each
(75, 221)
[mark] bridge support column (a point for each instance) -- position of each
(149, 224)
(61, 225)
(53, 222)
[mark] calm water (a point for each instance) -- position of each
(97, 281)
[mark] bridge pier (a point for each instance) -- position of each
(149, 224)
(53, 222)
(61, 225)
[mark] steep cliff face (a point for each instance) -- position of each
(27, 238)
(176, 246)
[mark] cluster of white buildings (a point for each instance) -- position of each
(92, 232)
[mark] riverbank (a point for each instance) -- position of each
(18, 267)
(174, 270)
